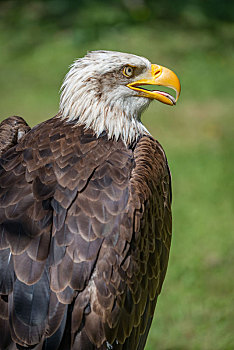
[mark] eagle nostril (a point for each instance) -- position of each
(157, 72)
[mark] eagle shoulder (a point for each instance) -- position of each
(12, 129)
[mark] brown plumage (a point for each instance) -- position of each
(12, 130)
(85, 226)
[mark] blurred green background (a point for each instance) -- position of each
(40, 39)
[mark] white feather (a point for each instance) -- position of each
(90, 99)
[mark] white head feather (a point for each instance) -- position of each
(94, 93)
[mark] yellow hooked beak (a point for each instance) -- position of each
(161, 76)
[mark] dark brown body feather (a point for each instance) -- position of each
(12, 130)
(85, 236)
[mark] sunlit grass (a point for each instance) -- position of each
(195, 310)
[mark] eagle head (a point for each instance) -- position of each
(108, 91)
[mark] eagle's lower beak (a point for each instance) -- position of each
(161, 76)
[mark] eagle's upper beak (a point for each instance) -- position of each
(161, 76)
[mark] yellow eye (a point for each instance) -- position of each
(128, 71)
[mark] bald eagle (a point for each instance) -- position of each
(85, 212)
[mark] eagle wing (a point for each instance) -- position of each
(85, 235)
(12, 130)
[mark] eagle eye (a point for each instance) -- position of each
(128, 71)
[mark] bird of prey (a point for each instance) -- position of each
(85, 212)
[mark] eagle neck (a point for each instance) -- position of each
(117, 121)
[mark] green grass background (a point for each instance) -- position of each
(196, 308)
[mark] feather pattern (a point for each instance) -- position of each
(12, 130)
(85, 237)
